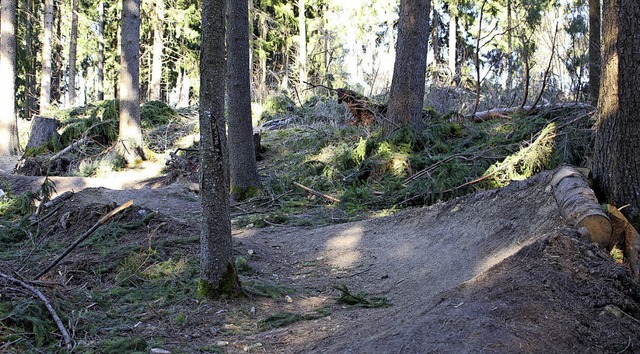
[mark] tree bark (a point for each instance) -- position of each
(8, 119)
(47, 45)
(244, 171)
(594, 50)
(218, 275)
(73, 46)
(407, 86)
(100, 83)
(453, 33)
(155, 93)
(435, 30)
(56, 55)
(509, 81)
(30, 74)
(617, 157)
(130, 130)
(302, 41)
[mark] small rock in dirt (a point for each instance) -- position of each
(288, 299)
(250, 252)
(222, 343)
(159, 351)
(252, 347)
(614, 310)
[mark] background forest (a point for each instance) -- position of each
(507, 47)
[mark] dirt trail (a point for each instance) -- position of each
(497, 271)
(415, 255)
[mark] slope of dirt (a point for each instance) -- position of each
(496, 271)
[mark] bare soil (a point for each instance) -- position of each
(493, 272)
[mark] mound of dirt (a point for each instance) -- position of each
(528, 284)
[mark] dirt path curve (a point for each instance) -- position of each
(410, 258)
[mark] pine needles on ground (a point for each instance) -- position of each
(360, 299)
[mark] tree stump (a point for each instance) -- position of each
(43, 129)
(579, 206)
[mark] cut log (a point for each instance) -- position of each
(579, 206)
(43, 129)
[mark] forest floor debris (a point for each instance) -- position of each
(490, 271)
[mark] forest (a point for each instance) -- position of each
(319, 176)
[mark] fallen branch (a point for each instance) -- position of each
(316, 193)
(40, 295)
(100, 222)
(477, 180)
(70, 147)
(504, 111)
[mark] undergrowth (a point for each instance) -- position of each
(369, 173)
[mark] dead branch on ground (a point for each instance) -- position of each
(316, 193)
(100, 222)
(52, 311)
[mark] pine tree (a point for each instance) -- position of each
(8, 123)
(407, 86)
(218, 275)
(616, 159)
(244, 171)
(130, 130)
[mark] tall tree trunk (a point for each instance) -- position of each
(218, 275)
(616, 158)
(56, 63)
(302, 41)
(47, 47)
(73, 44)
(244, 171)
(158, 47)
(185, 87)
(407, 86)
(594, 50)
(8, 119)
(509, 45)
(476, 60)
(130, 130)
(252, 12)
(30, 77)
(453, 40)
(100, 82)
(435, 28)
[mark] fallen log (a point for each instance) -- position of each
(579, 206)
(505, 111)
